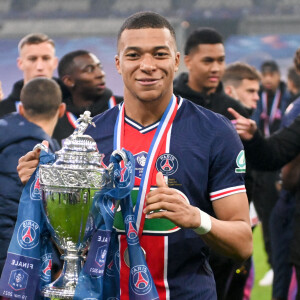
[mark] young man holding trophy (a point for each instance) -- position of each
(189, 191)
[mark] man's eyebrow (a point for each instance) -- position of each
(134, 48)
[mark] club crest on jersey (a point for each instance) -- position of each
(167, 164)
(35, 189)
(101, 256)
(140, 282)
(140, 161)
(132, 235)
(28, 234)
(241, 162)
(46, 267)
(18, 280)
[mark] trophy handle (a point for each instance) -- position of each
(41, 147)
(122, 154)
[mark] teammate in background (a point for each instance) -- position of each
(204, 168)
(40, 109)
(205, 60)
(241, 82)
(83, 75)
(36, 59)
(274, 99)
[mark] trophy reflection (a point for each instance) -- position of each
(68, 187)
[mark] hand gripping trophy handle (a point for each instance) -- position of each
(68, 187)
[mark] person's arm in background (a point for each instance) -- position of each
(271, 153)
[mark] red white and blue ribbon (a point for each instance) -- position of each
(112, 102)
(155, 147)
(274, 114)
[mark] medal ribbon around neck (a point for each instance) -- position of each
(154, 150)
(268, 121)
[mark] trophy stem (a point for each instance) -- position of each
(64, 286)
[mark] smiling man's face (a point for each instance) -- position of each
(206, 65)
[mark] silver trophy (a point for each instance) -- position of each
(68, 187)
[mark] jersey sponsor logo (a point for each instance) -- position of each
(35, 189)
(157, 226)
(241, 162)
(140, 280)
(167, 164)
(140, 161)
(18, 280)
(28, 234)
(132, 235)
(101, 256)
(46, 267)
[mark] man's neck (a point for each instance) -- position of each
(195, 87)
(47, 125)
(144, 112)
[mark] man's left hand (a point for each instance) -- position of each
(165, 202)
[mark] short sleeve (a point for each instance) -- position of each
(227, 162)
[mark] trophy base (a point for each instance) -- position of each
(64, 286)
(57, 293)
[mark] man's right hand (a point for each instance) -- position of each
(28, 163)
(244, 127)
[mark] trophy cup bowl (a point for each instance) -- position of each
(67, 188)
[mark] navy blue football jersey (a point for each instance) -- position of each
(203, 158)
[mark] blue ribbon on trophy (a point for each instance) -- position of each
(28, 265)
(100, 276)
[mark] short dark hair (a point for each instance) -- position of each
(41, 98)
(238, 71)
(202, 35)
(146, 19)
(35, 39)
(66, 63)
(269, 66)
(294, 76)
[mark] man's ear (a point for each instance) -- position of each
(177, 61)
(117, 63)
(21, 109)
(20, 63)
(228, 90)
(61, 110)
(187, 61)
(56, 62)
(68, 81)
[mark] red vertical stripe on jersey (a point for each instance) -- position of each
(137, 142)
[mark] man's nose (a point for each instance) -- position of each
(147, 63)
(215, 66)
(40, 64)
(256, 96)
(99, 72)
